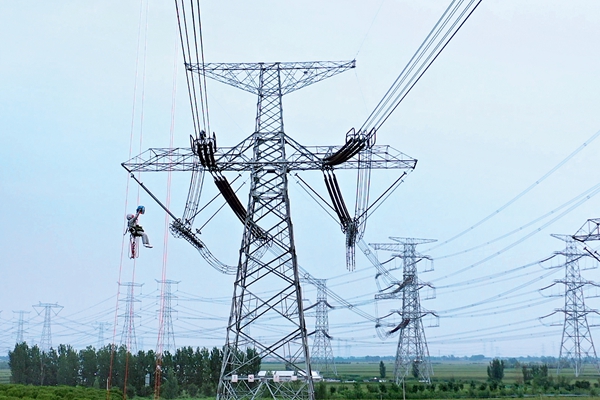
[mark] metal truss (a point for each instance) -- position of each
(240, 159)
(412, 354)
(576, 347)
(590, 231)
(292, 76)
(128, 338)
(267, 319)
(251, 335)
(321, 353)
(46, 341)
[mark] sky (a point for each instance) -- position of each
(85, 86)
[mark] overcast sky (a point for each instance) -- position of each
(514, 94)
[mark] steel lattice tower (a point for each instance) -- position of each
(267, 258)
(166, 334)
(46, 341)
(21, 326)
(321, 352)
(412, 354)
(128, 317)
(576, 347)
(258, 271)
(102, 327)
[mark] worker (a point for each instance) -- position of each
(135, 228)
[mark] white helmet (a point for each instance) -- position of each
(129, 216)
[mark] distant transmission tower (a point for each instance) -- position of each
(321, 355)
(46, 341)
(577, 346)
(166, 334)
(102, 327)
(21, 326)
(412, 354)
(128, 317)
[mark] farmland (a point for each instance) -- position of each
(442, 371)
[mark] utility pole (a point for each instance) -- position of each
(412, 354)
(128, 317)
(577, 347)
(321, 353)
(46, 341)
(21, 326)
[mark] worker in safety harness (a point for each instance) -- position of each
(135, 228)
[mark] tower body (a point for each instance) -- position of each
(576, 347)
(166, 333)
(412, 353)
(321, 353)
(268, 223)
(21, 326)
(128, 338)
(46, 340)
(101, 326)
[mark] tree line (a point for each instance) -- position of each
(194, 370)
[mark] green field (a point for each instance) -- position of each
(4, 376)
(442, 371)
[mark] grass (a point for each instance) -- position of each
(4, 376)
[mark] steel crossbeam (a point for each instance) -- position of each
(231, 160)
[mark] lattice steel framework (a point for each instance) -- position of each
(102, 327)
(46, 341)
(261, 272)
(576, 347)
(412, 354)
(166, 333)
(21, 326)
(321, 352)
(269, 155)
(128, 317)
(590, 231)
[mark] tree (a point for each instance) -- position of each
(89, 366)
(49, 368)
(34, 374)
(170, 388)
(68, 366)
(495, 370)
(103, 357)
(381, 370)
(19, 363)
(216, 359)
(253, 359)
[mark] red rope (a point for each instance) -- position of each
(133, 112)
(161, 327)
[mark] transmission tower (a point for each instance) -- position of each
(102, 327)
(46, 341)
(21, 326)
(166, 334)
(412, 354)
(321, 355)
(128, 317)
(267, 262)
(577, 347)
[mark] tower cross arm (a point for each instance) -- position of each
(229, 159)
(294, 75)
(589, 231)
